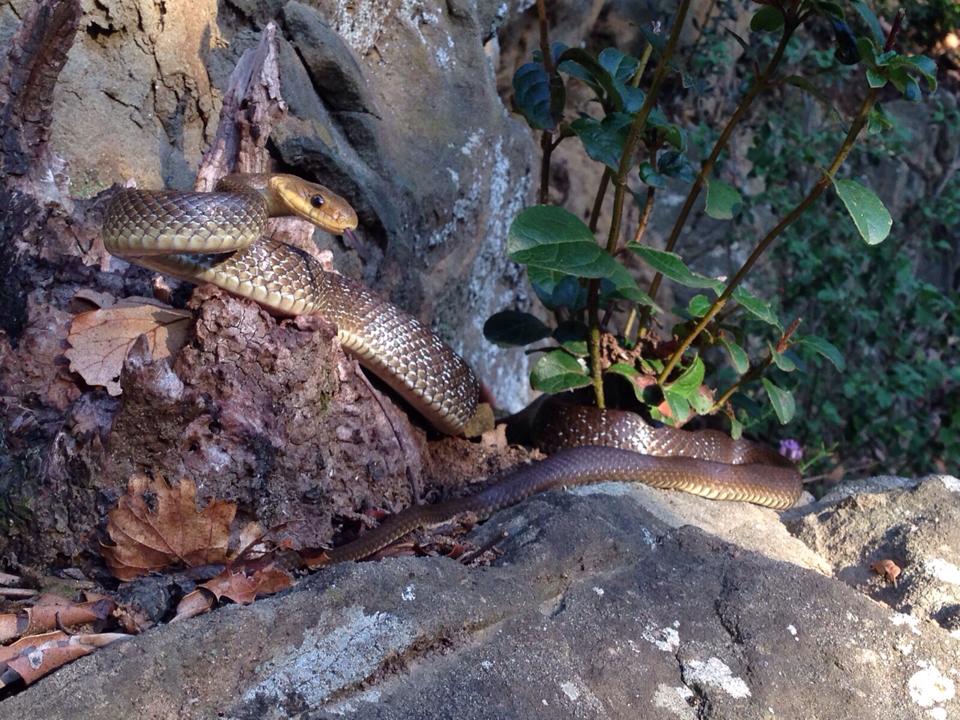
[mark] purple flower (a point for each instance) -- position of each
(791, 449)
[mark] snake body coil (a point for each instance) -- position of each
(218, 238)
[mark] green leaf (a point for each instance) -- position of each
(674, 163)
(698, 305)
(738, 356)
(557, 290)
(679, 408)
(898, 76)
(572, 336)
(825, 349)
(875, 79)
(878, 120)
(871, 20)
(689, 381)
(722, 199)
(603, 139)
(782, 401)
(926, 67)
(781, 360)
(557, 371)
(513, 327)
(588, 65)
(621, 68)
(884, 58)
(551, 238)
(767, 19)
(651, 177)
(912, 91)
(575, 69)
(669, 132)
(628, 290)
(672, 266)
(531, 95)
(701, 403)
(867, 50)
(831, 9)
(758, 307)
(631, 374)
(736, 428)
(867, 210)
(628, 371)
(620, 65)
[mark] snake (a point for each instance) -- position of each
(219, 238)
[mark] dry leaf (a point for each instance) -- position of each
(242, 584)
(53, 612)
(100, 339)
(174, 532)
(888, 569)
(33, 657)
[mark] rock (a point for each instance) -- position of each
(914, 523)
(751, 527)
(596, 608)
(135, 99)
(334, 71)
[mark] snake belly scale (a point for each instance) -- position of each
(218, 238)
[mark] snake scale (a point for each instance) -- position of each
(218, 238)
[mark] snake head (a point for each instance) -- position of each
(313, 202)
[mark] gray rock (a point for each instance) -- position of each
(596, 609)
(914, 523)
(406, 122)
(334, 70)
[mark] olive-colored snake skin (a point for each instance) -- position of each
(218, 238)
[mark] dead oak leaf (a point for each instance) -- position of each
(101, 339)
(168, 531)
(242, 584)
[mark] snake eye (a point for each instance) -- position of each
(317, 201)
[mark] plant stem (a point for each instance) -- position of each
(822, 184)
(706, 167)
(546, 137)
(638, 236)
(749, 376)
(620, 186)
(598, 200)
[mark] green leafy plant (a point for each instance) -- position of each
(706, 361)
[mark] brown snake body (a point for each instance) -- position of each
(218, 238)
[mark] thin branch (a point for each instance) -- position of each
(822, 184)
